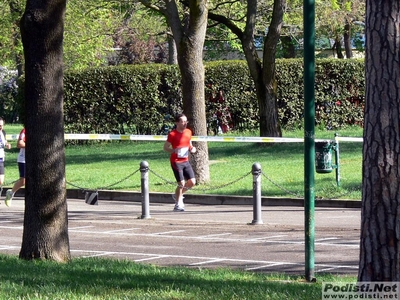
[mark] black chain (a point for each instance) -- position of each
(212, 187)
(301, 196)
(202, 189)
(281, 187)
(168, 181)
(225, 184)
(105, 187)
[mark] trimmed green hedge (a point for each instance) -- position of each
(130, 99)
(138, 99)
(339, 92)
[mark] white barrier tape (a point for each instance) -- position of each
(194, 138)
(10, 137)
(130, 137)
(246, 139)
(349, 139)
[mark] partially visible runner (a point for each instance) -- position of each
(179, 144)
(3, 145)
(21, 167)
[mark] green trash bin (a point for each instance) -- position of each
(323, 156)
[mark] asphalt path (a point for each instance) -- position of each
(204, 236)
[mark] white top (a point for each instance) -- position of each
(2, 145)
(21, 155)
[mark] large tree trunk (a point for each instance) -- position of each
(191, 66)
(269, 123)
(264, 75)
(45, 234)
(189, 39)
(380, 219)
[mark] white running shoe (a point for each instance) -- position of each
(178, 208)
(9, 196)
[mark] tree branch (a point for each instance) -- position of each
(228, 23)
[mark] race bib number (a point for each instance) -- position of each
(183, 152)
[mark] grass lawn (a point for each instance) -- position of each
(98, 278)
(104, 164)
(114, 165)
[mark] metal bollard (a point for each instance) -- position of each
(144, 170)
(256, 171)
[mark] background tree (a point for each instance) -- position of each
(16, 9)
(45, 233)
(335, 22)
(188, 23)
(262, 71)
(141, 36)
(10, 39)
(337, 25)
(380, 213)
(88, 33)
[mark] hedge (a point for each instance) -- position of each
(139, 99)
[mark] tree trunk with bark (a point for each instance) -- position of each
(45, 234)
(269, 121)
(189, 35)
(380, 213)
(288, 45)
(172, 53)
(347, 41)
(337, 47)
(262, 73)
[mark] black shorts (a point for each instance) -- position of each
(1, 167)
(21, 169)
(182, 171)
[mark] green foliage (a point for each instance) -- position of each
(8, 94)
(10, 43)
(339, 92)
(87, 38)
(138, 98)
(139, 34)
(233, 78)
(110, 165)
(88, 32)
(120, 99)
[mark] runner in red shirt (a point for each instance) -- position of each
(179, 144)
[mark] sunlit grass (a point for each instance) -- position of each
(115, 166)
(99, 278)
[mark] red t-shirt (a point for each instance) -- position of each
(180, 140)
(22, 135)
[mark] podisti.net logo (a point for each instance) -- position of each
(360, 290)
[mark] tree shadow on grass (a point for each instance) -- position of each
(115, 279)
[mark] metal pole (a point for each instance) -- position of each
(309, 135)
(144, 170)
(256, 171)
(337, 160)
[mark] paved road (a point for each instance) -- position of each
(205, 236)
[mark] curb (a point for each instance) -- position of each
(110, 195)
(213, 199)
